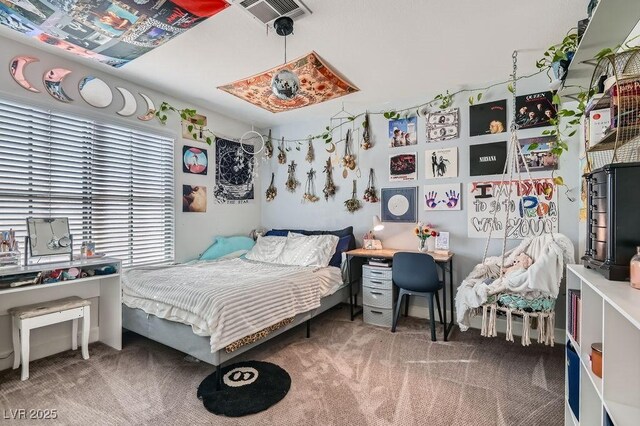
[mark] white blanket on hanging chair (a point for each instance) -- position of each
(549, 253)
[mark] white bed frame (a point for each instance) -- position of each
(181, 337)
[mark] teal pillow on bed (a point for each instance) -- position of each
(223, 246)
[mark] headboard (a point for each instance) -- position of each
(346, 242)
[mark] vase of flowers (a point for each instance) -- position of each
(426, 237)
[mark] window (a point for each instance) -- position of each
(115, 184)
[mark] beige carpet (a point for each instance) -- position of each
(348, 373)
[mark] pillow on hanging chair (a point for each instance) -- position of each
(517, 302)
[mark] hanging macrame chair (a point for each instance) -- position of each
(531, 293)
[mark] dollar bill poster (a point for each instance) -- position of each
(443, 125)
(532, 207)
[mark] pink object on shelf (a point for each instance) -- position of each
(635, 269)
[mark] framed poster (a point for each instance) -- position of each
(403, 167)
(445, 197)
(487, 158)
(194, 199)
(533, 208)
(488, 118)
(399, 204)
(403, 132)
(535, 110)
(194, 160)
(441, 163)
(537, 154)
(443, 125)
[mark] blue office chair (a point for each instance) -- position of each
(415, 274)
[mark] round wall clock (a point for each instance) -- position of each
(399, 204)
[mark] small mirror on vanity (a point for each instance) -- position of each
(49, 236)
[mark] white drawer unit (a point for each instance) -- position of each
(378, 295)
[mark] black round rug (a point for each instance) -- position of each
(247, 388)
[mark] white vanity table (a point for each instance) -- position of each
(103, 290)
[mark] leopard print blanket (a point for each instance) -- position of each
(247, 340)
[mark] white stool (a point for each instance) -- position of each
(26, 318)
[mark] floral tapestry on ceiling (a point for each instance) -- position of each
(318, 83)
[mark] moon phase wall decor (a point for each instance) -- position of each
(17, 67)
(95, 92)
(113, 32)
(130, 105)
(151, 108)
(52, 80)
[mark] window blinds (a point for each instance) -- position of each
(115, 184)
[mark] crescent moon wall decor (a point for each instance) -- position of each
(151, 108)
(52, 80)
(17, 67)
(130, 105)
(95, 92)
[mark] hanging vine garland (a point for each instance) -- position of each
(310, 153)
(329, 187)
(348, 159)
(282, 153)
(292, 182)
(371, 193)
(272, 191)
(353, 204)
(268, 147)
(366, 133)
(310, 188)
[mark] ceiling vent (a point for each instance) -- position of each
(267, 11)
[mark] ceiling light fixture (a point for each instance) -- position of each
(285, 83)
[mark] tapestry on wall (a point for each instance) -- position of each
(403, 167)
(113, 32)
(443, 125)
(444, 197)
(318, 83)
(194, 199)
(234, 172)
(535, 110)
(537, 153)
(403, 132)
(488, 118)
(441, 163)
(533, 208)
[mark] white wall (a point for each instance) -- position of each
(194, 231)
(287, 210)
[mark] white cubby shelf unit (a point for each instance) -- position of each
(610, 314)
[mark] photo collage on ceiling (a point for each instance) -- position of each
(113, 32)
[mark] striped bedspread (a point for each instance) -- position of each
(227, 299)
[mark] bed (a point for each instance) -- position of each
(217, 310)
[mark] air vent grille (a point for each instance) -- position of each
(283, 6)
(263, 12)
(247, 3)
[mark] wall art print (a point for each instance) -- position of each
(199, 123)
(533, 208)
(443, 125)
(441, 163)
(194, 199)
(399, 204)
(234, 172)
(488, 118)
(403, 132)
(537, 153)
(318, 83)
(403, 167)
(113, 32)
(194, 160)
(445, 197)
(487, 158)
(535, 110)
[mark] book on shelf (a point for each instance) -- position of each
(573, 316)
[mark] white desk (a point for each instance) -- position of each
(105, 327)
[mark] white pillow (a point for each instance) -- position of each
(308, 250)
(267, 249)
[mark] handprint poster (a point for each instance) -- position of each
(442, 197)
(532, 207)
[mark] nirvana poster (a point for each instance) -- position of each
(234, 172)
(487, 158)
(533, 208)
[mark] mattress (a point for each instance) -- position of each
(229, 299)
